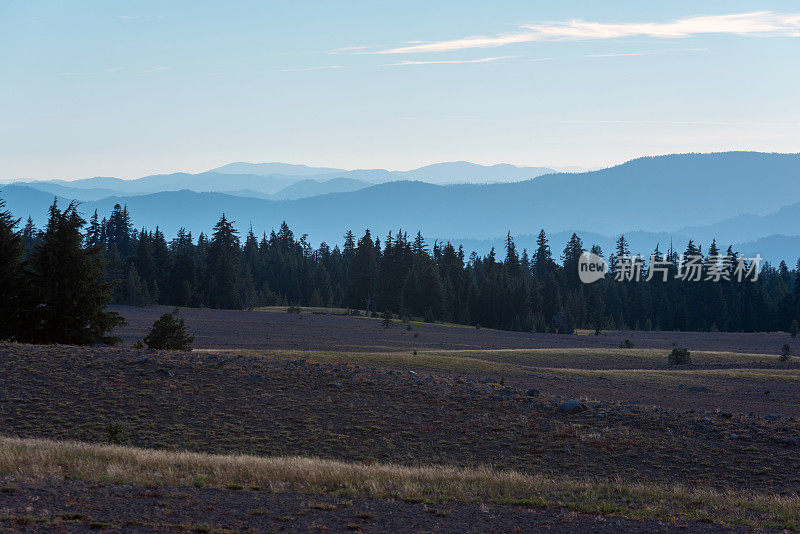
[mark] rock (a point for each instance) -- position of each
(734, 436)
(255, 379)
(572, 406)
(223, 362)
(533, 392)
(142, 360)
(772, 417)
(164, 372)
(793, 441)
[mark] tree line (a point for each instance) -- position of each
(538, 291)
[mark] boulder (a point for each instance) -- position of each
(572, 406)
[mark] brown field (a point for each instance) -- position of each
(232, 329)
(346, 428)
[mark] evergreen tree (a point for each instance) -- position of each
(67, 293)
(93, 232)
(11, 250)
(542, 258)
(361, 290)
(223, 266)
(119, 229)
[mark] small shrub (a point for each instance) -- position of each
(415, 353)
(679, 357)
(169, 333)
(387, 319)
(627, 344)
(114, 433)
(408, 327)
(786, 353)
(138, 345)
(293, 308)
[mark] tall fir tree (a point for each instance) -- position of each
(11, 251)
(67, 294)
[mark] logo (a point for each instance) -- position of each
(591, 267)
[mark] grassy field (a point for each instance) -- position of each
(408, 433)
(147, 467)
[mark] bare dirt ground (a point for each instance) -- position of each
(74, 506)
(238, 329)
(277, 384)
(223, 403)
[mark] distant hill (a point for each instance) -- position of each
(676, 196)
(205, 181)
(438, 173)
(76, 193)
(269, 169)
(465, 172)
(750, 227)
(310, 188)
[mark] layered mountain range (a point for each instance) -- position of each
(747, 199)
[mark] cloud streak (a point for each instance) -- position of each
(758, 23)
(305, 69)
(449, 62)
(648, 52)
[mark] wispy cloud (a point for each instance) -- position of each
(112, 70)
(450, 61)
(153, 70)
(648, 52)
(335, 51)
(758, 23)
(138, 17)
(304, 69)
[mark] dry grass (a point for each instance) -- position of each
(430, 360)
(28, 458)
(547, 362)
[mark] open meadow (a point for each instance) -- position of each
(296, 422)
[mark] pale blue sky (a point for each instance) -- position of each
(124, 88)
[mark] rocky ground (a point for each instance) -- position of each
(728, 422)
(238, 329)
(74, 506)
(220, 404)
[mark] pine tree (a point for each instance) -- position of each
(570, 259)
(223, 266)
(119, 230)
(512, 259)
(67, 293)
(364, 270)
(11, 250)
(30, 236)
(93, 231)
(542, 258)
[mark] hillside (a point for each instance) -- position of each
(666, 195)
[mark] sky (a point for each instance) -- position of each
(132, 88)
